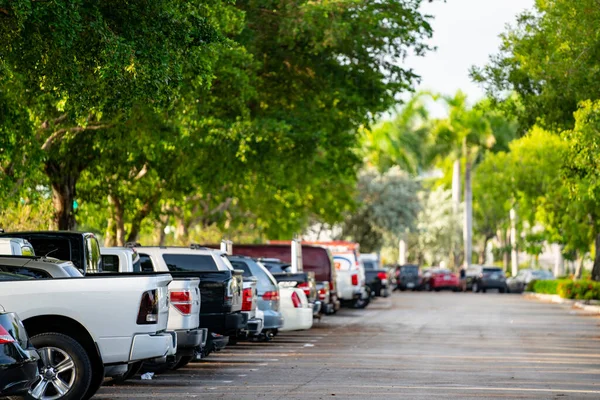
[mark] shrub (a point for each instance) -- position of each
(579, 290)
(544, 286)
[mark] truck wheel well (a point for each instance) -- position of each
(69, 327)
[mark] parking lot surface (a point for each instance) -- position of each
(411, 345)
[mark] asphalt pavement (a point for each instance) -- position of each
(410, 345)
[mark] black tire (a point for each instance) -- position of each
(502, 290)
(82, 365)
(132, 370)
(437, 289)
(484, 290)
(96, 382)
(182, 362)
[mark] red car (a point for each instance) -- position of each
(439, 279)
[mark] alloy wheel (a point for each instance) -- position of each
(57, 374)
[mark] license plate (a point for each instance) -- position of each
(410, 285)
(446, 277)
(495, 276)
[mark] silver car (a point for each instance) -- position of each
(38, 267)
(518, 283)
(267, 291)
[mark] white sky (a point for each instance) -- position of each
(465, 32)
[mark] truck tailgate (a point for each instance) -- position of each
(178, 319)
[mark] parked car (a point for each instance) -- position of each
(220, 287)
(16, 247)
(377, 278)
(267, 291)
(94, 341)
(408, 277)
(38, 267)
(81, 248)
(441, 279)
(18, 358)
(481, 278)
(184, 307)
(315, 259)
(518, 283)
(303, 280)
(296, 311)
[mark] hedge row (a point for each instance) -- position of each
(568, 289)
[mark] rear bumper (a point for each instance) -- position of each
(255, 326)
(273, 319)
(316, 307)
(493, 284)
(146, 347)
(16, 379)
(188, 340)
(301, 319)
(223, 323)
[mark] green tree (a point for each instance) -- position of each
(549, 58)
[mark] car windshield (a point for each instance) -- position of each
(370, 264)
(190, 262)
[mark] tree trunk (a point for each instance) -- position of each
(596, 268)
(468, 227)
(136, 222)
(159, 231)
(456, 186)
(182, 230)
(63, 184)
(109, 237)
(503, 235)
(118, 215)
(579, 269)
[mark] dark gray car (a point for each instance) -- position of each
(484, 278)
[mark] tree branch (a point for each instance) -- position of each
(4, 11)
(61, 132)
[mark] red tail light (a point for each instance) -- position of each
(296, 300)
(5, 336)
(148, 313)
(354, 280)
(305, 287)
(247, 299)
(271, 296)
(382, 275)
(182, 301)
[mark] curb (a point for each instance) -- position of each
(556, 299)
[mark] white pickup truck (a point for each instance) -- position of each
(184, 308)
(86, 328)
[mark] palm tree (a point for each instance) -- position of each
(401, 141)
(463, 136)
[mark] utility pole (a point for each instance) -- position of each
(402, 252)
(514, 255)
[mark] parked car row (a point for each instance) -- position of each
(477, 278)
(73, 313)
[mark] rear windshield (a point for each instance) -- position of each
(59, 248)
(409, 270)
(276, 267)
(265, 283)
(492, 270)
(7, 276)
(190, 262)
(25, 271)
(370, 264)
(110, 263)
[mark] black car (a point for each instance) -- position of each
(481, 278)
(407, 277)
(377, 279)
(18, 358)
